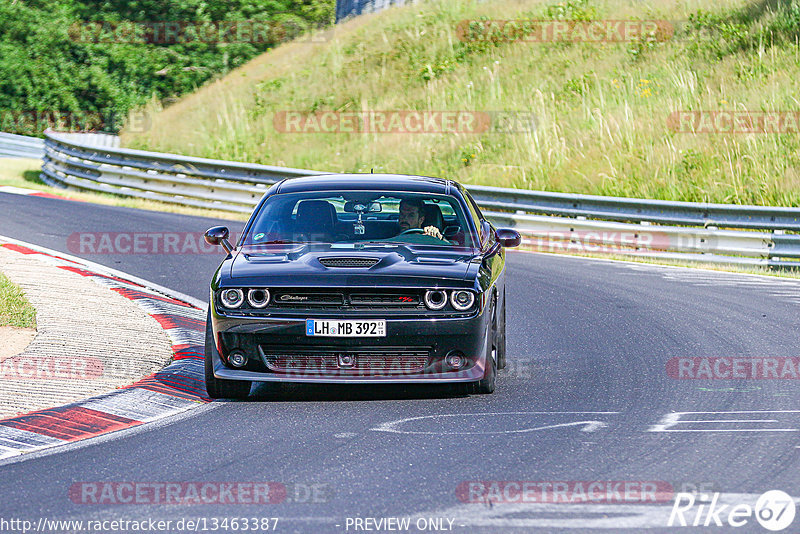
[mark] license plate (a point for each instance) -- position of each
(345, 328)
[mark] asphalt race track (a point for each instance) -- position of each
(586, 397)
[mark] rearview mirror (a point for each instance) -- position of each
(218, 235)
(352, 206)
(508, 237)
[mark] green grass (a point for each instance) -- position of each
(15, 310)
(24, 173)
(601, 109)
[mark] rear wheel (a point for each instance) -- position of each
(215, 387)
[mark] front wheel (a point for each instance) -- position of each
(487, 383)
(501, 336)
(215, 387)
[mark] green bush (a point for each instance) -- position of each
(60, 59)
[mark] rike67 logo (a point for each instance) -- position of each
(774, 510)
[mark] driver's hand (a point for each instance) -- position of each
(433, 232)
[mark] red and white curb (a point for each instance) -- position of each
(28, 192)
(178, 387)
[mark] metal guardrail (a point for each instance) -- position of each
(171, 178)
(638, 210)
(20, 146)
(352, 8)
(548, 221)
(581, 235)
(91, 139)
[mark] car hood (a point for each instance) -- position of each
(300, 264)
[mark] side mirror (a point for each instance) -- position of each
(508, 237)
(218, 235)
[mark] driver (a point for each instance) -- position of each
(412, 217)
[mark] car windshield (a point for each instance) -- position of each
(376, 218)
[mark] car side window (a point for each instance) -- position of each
(484, 233)
(487, 234)
(474, 206)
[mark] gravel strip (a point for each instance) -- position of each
(89, 340)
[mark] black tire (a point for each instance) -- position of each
(501, 336)
(215, 387)
(487, 383)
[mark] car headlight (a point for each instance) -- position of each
(232, 298)
(258, 298)
(435, 299)
(462, 300)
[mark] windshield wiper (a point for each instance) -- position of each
(285, 242)
(381, 243)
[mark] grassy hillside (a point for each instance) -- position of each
(601, 110)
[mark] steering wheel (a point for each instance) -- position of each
(413, 231)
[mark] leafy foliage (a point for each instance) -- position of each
(744, 29)
(71, 58)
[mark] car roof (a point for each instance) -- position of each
(371, 182)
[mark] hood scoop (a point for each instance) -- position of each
(264, 258)
(434, 261)
(358, 262)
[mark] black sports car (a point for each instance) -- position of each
(359, 278)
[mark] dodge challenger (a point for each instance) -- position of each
(359, 278)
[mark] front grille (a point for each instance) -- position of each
(378, 361)
(306, 298)
(349, 262)
(384, 299)
(342, 303)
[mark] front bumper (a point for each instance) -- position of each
(438, 337)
